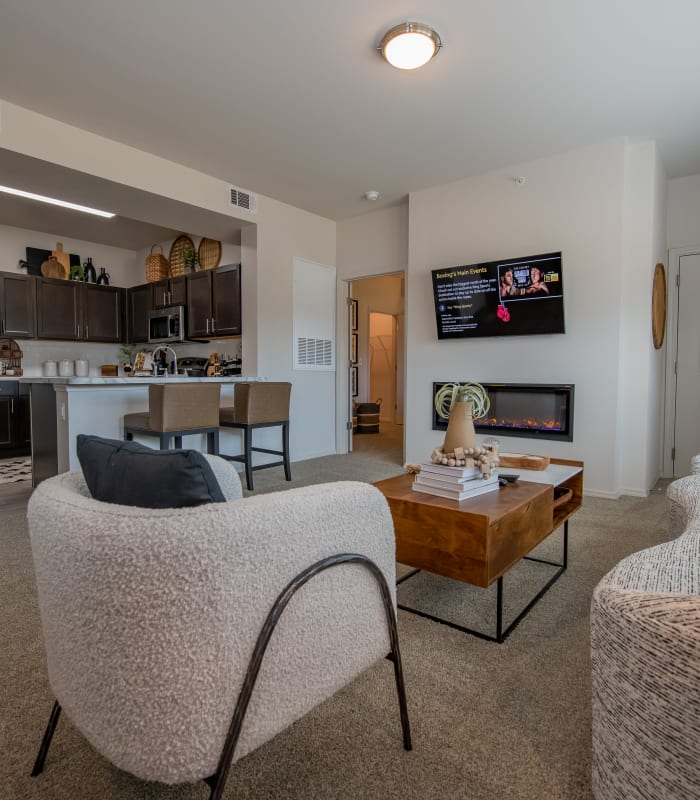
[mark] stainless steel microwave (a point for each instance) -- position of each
(166, 324)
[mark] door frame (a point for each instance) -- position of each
(674, 267)
(343, 408)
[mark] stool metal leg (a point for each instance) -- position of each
(285, 451)
(213, 442)
(248, 456)
(177, 440)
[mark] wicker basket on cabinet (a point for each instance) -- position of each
(157, 265)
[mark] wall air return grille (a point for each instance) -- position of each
(242, 199)
(314, 352)
(313, 323)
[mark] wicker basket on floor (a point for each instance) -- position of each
(157, 265)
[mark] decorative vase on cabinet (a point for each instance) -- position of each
(90, 276)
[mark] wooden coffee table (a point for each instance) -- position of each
(478, 540)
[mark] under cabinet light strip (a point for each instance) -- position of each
(54, 202)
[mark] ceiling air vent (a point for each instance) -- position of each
(242, 199)
(314, 352)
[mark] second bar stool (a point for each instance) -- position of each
(259, 404)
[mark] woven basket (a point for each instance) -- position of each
(209, 254)
(182, 255)
(157, 266)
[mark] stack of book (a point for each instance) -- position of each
(456, 483)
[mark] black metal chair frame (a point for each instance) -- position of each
(246, 456)
(217, 781)
(165, 436)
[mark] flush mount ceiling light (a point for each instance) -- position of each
(54, 202)
(409, 45)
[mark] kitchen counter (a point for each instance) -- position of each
(63, 408)
(100, 381)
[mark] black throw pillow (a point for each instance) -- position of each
(131, 474)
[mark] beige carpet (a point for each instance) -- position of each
(490, 722)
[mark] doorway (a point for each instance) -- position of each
(377, 361)
(683, 388)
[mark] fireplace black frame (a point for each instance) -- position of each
(565, 435)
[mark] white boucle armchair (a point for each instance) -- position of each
(156, 621)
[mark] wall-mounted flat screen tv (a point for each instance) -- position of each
(513, 297)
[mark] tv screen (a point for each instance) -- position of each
(512, 297)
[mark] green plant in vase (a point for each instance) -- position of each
(460, 404)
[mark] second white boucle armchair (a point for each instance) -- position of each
(152, 619)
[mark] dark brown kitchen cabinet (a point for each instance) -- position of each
(138, 304)
(214, 303)
(15, 436)
(76, 311)
(102, 314)
(58, 309)
(170, 292)
(17, 306)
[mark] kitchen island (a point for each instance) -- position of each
(62, 408)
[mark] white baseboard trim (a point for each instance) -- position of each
(615, 495)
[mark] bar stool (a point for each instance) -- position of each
(176, 410)
(259, 404)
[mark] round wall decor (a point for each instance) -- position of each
(658, 306)
(209, 253)
(182, 255)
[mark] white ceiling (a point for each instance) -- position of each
(291, 99)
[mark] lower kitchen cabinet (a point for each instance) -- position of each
(15, 426)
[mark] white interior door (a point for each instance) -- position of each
(687, 418)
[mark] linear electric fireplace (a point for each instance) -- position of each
(535, 410)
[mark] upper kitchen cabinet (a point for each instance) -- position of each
(102, 313)
(75, 311)
(138, 303)
(58, 309)
(17, 306)
(170, 292)
(214, 302)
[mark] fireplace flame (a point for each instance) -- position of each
(524, 423)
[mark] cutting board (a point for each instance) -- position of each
(522, 461)
(51, 268)
(62, 257)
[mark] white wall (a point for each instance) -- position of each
(573, 203)
(121, 264)
(684, 212)
(283, 234)
(641, 387)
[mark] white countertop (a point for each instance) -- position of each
(99, 381)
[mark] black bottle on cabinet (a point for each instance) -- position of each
(103, 277)
(90, 275)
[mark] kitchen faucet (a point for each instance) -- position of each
(165, 348)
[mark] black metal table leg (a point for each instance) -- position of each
(46, 741)
(501, 633)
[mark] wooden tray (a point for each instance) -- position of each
(522, 461)
(562, 494)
